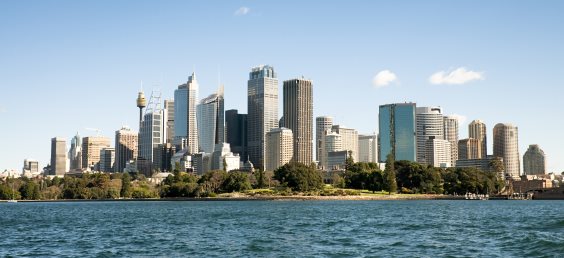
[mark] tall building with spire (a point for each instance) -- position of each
(75, 152)
(429, 122)
(211, 121)
(262, 106)
(506, 146)
(477, 130)
(397, 132)
(185, 122)
(298, 117)
(534, 161)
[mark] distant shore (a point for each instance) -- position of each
(242, 197)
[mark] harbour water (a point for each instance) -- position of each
(284, 229)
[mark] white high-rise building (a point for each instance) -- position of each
(477, 130)
(262, 107)
(322, 123)
(368, 148)
(75, 152)
(210, 117)
(185, 123)
(429, 123)
(506, 146)
(279, 148)
(438, 152)
(331, 142)
(349, 138)
(153, 128)
(451, 135)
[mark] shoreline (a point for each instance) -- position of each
(237, 197)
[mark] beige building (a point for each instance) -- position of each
(331, 142)
(322, 123)
(534, 161)
(506, 146)
(279, 148)
(126, 147)
(469, 149)
(477, 130)
(91, 147)
(298, 117)
(450, 124)
(58, 156)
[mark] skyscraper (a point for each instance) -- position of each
(331, 142)
(279, 148)
(107, 159)
(91, 147)
(349, 140)
(152, 133)
(236, 132)
(429, 122)
(451, 135)
(368, 148)
(469, 149)
(397, 131)
(169, 109)
(437, 152)
(534, 161)
(298, 117)
(58, 156)
(126, 147)
(210, 117)
(322, 123)
(185, 124)
(75, 152)
(477, 130)
(262, 105)
(506, 146)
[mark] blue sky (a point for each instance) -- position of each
(69, 65)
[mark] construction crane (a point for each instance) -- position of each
(94, 129)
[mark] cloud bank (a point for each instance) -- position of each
(384, 78)
(457, 76)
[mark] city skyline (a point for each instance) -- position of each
(90, 71)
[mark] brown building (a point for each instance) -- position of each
(91, 147)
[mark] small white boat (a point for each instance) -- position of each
(12, 201)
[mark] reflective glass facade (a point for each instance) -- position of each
(397, 131)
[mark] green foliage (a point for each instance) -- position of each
(125, 191)
(143, 190)
(418, 178)
(236, 182)
(299, 177)
(260, 179)
(471, 180)
(211, 182)
(364, 176)
(30, 191)
(390, 184)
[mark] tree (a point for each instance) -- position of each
(390, 184)
(260, 179)
(30, 191)
(125, 185)
(236, 182)
(496, 165)
(211, 182)
(299, 177)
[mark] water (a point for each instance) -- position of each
(284, 229)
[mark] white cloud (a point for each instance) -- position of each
(242, 11)
(458, 76)
(384, 78)
(461, 119)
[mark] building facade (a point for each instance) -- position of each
(126, 147)
(322, 124)
(477, 130)
(397, 132)
(107, 159)
(185, 123)
(534, 161)
(58, 156)
(429, 122)
(236, 132)
(169, 109)
(262, 106)
(91, 147)
(368, 148)
(279, 148)
(152, 133)
(75, 153)
(210, 117)
(506, 146)
(451, 134)
(470, 149)
(298, 117)
(349, 140)
(331, 142)
(438, 153)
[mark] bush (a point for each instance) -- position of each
(299, 177)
